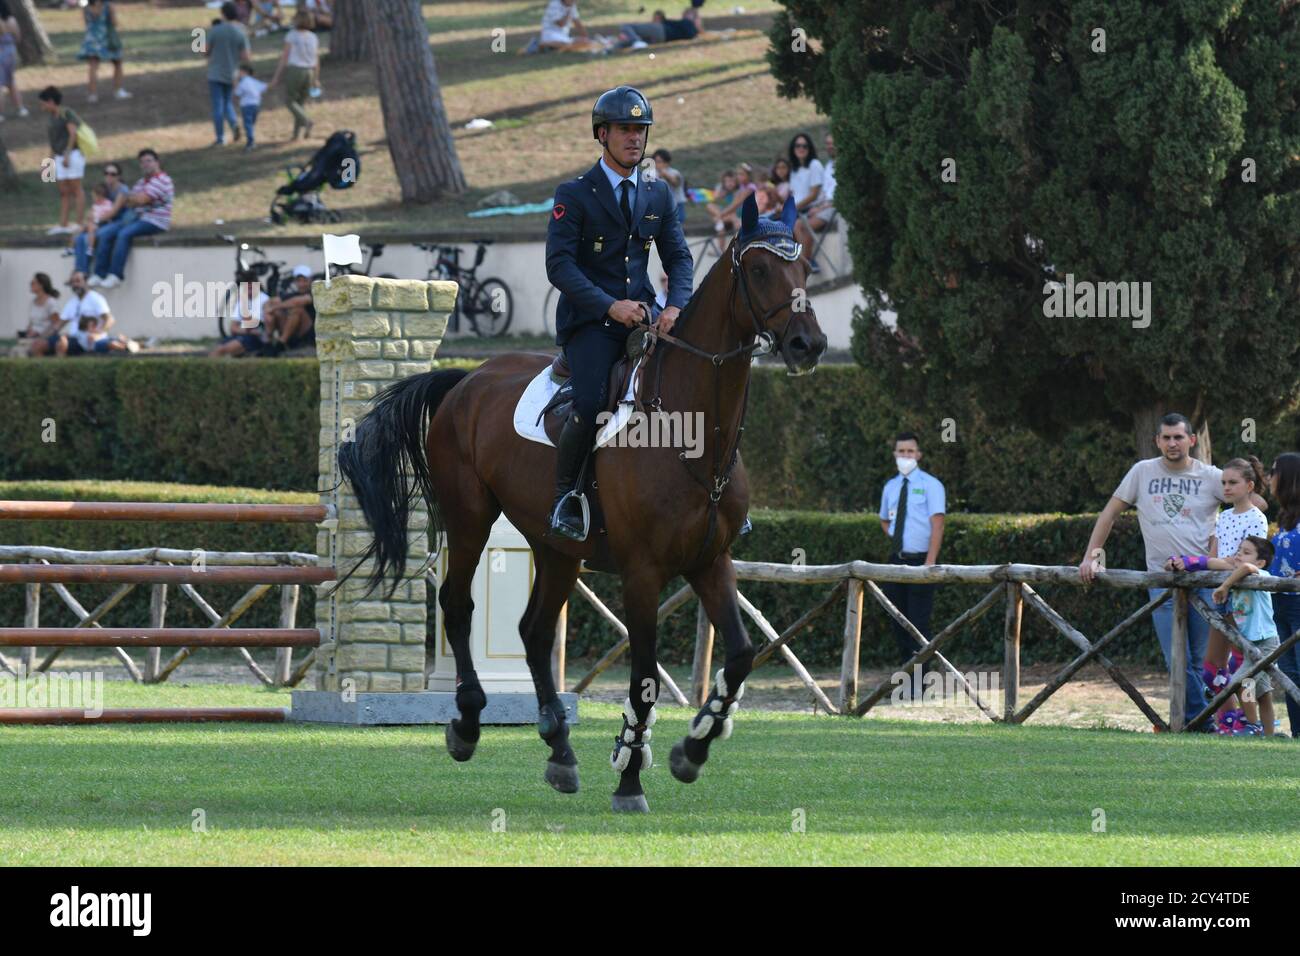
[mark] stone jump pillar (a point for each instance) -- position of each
(370, 666)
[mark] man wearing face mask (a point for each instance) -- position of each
(912, 507)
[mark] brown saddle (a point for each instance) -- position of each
(557, 409)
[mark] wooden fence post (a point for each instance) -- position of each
(31, 618)
(559, 648)
(157, 615)
(1011, 650)
(703, 663)
(852, 646)
(288, 618)
(1178, 663)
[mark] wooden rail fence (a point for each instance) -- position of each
(1013, 584)
(160, 568)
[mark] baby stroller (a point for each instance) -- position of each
(335, 163)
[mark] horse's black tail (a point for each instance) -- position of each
(388, 470)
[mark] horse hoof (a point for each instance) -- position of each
(633, 804)
(460, 749)
(682, 767)
(562, 778)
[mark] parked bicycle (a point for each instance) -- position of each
(488, 303)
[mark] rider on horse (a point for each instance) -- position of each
(602, 276)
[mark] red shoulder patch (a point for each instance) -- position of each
(557, 211)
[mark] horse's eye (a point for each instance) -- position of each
(759, 272)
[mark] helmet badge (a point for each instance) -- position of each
(636, 110)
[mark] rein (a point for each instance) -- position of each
(763, 341)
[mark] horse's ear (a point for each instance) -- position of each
(748, 215)
(789, 213)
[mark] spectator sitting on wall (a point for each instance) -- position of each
(43, 323)
(83, 303)
(151, 197)
(248, 334)
(291, 320)
(117, 193)
(822, 211)
(779, 176)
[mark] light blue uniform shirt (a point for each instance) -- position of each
(925, 497)
(615, 179)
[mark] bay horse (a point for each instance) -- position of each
(448, 437)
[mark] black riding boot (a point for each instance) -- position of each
(571, 448)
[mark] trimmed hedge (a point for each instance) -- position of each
(823, 538)
(819, 442)
(251, 424)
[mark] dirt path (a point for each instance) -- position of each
(1090, 700)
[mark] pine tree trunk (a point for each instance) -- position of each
(1146, 425)
(350, 36)
(34, 45)
(419, 139)
(8, 173)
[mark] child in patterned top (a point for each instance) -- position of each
(1241, 478)
(1252, 612)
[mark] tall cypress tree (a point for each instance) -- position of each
(988, 150)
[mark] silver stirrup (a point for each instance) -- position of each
(586, 511)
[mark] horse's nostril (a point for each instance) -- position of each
(798, 345)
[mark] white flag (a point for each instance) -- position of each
(342, 250)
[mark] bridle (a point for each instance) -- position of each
(784, 247)
(765, 342)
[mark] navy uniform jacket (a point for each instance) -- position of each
(593, 261)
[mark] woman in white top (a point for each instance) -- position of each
(43, 322)
(805, 172)
(300, 63)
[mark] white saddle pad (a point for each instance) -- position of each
(543, 388)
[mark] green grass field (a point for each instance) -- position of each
(715, 105)
(870, 792)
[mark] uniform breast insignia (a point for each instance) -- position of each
(650, 215)
(598, 244)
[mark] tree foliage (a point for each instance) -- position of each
(1164, 150)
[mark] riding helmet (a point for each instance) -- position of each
(623, 104)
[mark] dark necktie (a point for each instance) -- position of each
(625, 187)
(900, 515)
